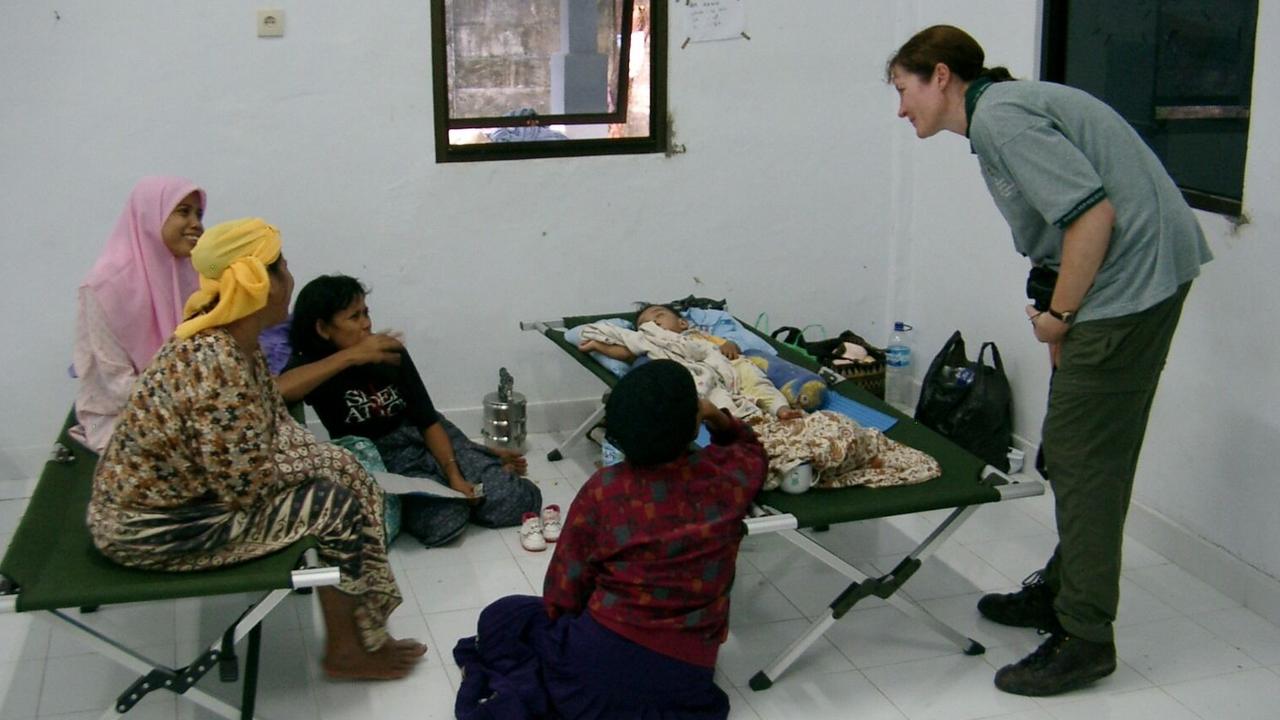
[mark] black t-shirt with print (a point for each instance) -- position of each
(371, 400)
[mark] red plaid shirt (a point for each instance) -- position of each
(651, 551)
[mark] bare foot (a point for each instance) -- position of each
(394, 660)
(513, 461)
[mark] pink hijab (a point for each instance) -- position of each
(139, 284)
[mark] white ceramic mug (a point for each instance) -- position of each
(1016, 458)
(798, 479)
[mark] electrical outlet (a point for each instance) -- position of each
(270, 23)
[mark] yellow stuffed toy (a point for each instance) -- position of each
(802, 389)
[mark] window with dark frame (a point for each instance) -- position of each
(548, 78)
(1180, 71)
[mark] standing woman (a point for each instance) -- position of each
(206, 468)
(132, 299)
(1086, 198)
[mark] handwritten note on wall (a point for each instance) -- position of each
(714, 19)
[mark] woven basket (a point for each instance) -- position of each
(869, 377)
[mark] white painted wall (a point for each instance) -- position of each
(1208, 464)
(801, 195)
(779, 205)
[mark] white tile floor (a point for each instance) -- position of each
(1186, 651)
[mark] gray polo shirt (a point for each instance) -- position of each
(1049, 153)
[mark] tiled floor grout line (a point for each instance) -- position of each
(573, 470)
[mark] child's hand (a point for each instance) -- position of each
(790, 414)
(730, 350)
(706, 409)
(713, 416)
(617, 352)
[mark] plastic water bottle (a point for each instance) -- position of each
(899, 387)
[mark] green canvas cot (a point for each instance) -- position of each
(966, 484)
(52, 566)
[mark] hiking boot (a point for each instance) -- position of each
(1060, 664)
(1032, 606)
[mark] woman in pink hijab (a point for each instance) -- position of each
(133, 297)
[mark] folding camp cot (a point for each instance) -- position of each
(965, 484)
(52, 565)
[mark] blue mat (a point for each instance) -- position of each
(861, 414)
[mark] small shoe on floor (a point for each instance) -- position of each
(531, 533)
(551, 523)
(1032, 606)
(1060, 664)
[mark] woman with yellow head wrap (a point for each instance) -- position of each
(232, 260)
(207, 442)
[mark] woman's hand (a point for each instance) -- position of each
(589, 345)
(1048, 329)
(383, 348)
(460, 484)
(731, 350)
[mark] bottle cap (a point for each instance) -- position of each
(900, 326)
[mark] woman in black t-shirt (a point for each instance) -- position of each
(365, 384)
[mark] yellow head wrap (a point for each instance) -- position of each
(232, 259)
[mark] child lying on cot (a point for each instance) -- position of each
(841, 452)
(718, 366)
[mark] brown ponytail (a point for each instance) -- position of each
(996, 74)
(948, 45)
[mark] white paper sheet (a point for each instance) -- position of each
(714, 19)
(400, 484)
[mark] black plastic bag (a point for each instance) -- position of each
(689, 302)
(969, 402)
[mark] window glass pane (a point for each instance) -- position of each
(1204, 55)
(550, 57)
(539, 72)
(1180, 71)
(639, 71)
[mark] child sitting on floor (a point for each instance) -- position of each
(747, 388)
(635, 603)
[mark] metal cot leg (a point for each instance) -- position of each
(580, 432)
(864, 585)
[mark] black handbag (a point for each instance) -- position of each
(826, 352)
(969, 402)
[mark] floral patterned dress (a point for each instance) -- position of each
(206, 468)
(842, 453)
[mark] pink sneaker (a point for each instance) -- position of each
(531, 533)
(551, 523)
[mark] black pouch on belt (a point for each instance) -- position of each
(1040, 283)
